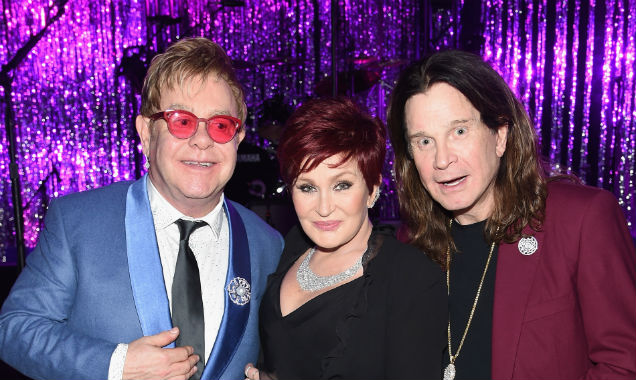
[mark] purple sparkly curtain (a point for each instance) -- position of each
(572, 63)
(76, 94)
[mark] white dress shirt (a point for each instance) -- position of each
(210, 245)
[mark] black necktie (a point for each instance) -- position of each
(187, 304)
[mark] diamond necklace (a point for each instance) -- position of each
(311, 282)
(449, 371)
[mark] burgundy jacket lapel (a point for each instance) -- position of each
(514, 279)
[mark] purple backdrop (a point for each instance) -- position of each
(76, 93)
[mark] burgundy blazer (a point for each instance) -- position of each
(568, 310)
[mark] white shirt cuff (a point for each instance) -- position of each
(117, 361)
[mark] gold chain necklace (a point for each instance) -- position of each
(449, 371)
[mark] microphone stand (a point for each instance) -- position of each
(6, 80)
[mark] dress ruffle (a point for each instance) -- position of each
(332, 367)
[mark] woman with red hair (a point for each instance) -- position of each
(347, 299)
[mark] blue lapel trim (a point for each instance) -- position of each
(144, 263)
(235, 316)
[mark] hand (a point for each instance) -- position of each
(147, 359)
(251, 372)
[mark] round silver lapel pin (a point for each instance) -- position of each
(239, 291)
(528, 245)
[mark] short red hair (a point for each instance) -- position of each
(322, 128)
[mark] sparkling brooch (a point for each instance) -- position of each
(528, 245)
(239, 291)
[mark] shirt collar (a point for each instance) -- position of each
(164, 214)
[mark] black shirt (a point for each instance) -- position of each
(467, 267)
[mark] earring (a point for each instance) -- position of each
(147, 163)
(375, 199)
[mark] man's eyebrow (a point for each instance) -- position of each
(460, 121)
(179, 107)
(450, 124)
(209, 113)
(214, 112)
(416, 134)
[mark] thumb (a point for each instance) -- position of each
(163, 338)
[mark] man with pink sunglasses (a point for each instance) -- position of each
(161, 277)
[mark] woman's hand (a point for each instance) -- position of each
(251, 372)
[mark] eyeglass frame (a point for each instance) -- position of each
(162, 115)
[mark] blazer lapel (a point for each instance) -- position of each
(144, 263)
(514, 278)
(237, 299)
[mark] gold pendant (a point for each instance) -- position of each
(449, 372)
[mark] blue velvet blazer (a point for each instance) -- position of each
(95, 280)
